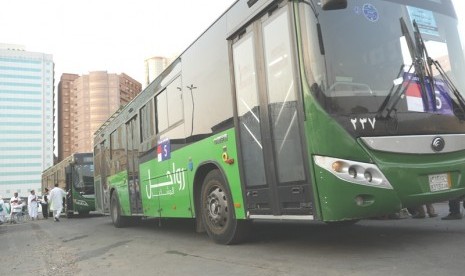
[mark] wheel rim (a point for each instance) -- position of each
(217, 208)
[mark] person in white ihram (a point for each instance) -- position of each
(15, 207)
(56, 201)
(2, 210)
(32, 205)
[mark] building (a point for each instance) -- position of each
(64, 114)
(154, 66)
(26, 118)
(85, 103)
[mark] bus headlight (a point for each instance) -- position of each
(354, 172)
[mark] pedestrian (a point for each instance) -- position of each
(454, 210)
(32, 205)
(15, 207)
(419, 212)
(44, 203)
(56, 201)
(2, 210)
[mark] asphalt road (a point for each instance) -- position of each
(92, 246)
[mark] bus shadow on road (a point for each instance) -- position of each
(365, 234)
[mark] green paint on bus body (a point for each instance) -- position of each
(83, 204)
(334, 198)
(119, 184)
(167, 187)
(408, 175)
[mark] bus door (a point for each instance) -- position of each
(270, 119)
(69, 188)
(133, 166)
(99, 177)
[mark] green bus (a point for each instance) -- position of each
(323, 110)
(74, 174)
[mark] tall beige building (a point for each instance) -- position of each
(154, 66)
(85, 103)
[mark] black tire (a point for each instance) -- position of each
(217, 211)
(134, 220)
(83, 213)
(69, 213)
(115, 212)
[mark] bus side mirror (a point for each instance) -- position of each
(333, 4)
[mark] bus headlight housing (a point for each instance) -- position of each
(354, 172)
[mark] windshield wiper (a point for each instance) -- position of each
(422, 54)
(397, 94)
(419, 63)
(459, 100)
(424, 72)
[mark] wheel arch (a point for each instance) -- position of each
(200, 174)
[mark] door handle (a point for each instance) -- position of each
(296, 190)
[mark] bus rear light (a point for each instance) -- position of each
(354, 172)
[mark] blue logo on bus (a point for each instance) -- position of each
(370, 12)
(164, 150)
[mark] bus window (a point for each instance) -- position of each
(169, 106)
(161, 112)
(147, 121)
(175, 110)
(117, 150)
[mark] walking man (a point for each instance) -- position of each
(56, 201)
(44, 203)
(32, 205)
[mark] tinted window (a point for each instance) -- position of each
(147, 121)
(169, 106)
(97, 159)
(249, 112)
(175, 107)
(161, 112)
(282, 97)
(117, 147)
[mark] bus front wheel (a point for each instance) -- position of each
(115, 212)
(217, 211)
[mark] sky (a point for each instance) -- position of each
(112, 35)
(106, 35)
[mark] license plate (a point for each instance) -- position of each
(439, 182)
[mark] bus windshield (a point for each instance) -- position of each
(84, 178)
(376, 64)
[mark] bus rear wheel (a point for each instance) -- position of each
(115, 212)
(217, 211)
